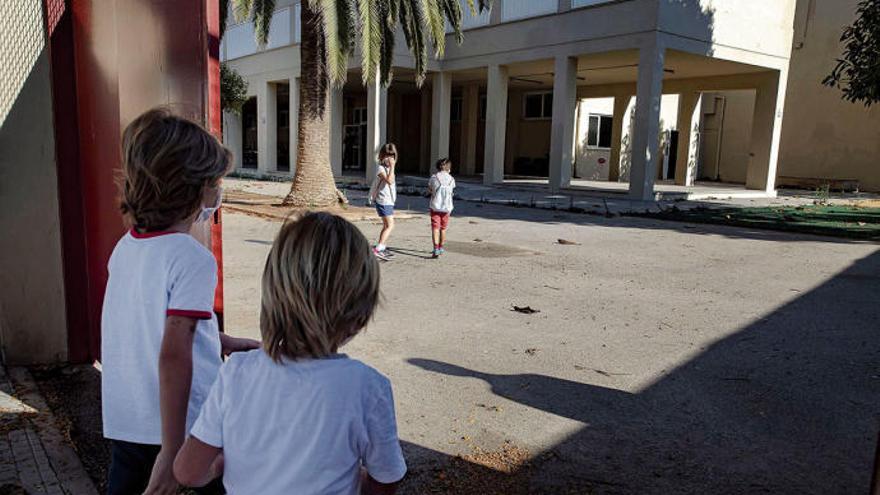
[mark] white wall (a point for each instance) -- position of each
(32, 302)
(521, 9)
(239, 39)
(591, 162)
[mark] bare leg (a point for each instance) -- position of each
(387, 227)
(443, 237)
(435, 236)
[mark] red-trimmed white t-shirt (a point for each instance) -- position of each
(153, 276)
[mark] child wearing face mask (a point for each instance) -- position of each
(160, 344)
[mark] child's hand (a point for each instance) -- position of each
(162, 480)
(231, 344)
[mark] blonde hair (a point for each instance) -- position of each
(167, 162)
(320, 287)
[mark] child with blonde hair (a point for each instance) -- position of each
(297, 416)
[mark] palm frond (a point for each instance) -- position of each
(336, 44)
(436, 25)
(224, 13)
(371, 37)
(479, 6)
(388, 25)
(452, 9)
(413, 22)
(261, 14)
(241, 9)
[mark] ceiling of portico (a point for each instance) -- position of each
(611, 68)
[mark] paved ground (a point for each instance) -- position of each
(666, 358)
(35, 458)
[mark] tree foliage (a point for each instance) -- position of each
(375, 24)
(233, 89)
(857, 73)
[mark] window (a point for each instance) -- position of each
(359, 115)
(456, 110)
(599, 131)
(538, 105)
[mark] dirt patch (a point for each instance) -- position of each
(483, 249)
(270, 207)
(74, 395)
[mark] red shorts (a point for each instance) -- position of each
(439, 220)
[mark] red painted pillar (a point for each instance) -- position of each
(213, 122)
(112, 60)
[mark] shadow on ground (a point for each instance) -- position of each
(787, 405)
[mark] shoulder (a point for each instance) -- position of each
(239, 363)
(186, 249)
(372, 379)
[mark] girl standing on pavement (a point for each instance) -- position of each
(384, 193)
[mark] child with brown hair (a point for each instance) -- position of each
(384, 194)
(297, 416)
(442, 187)
(160, 345)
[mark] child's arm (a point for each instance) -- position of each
(175, 378)
(230, 344)
(369, 486)
(198, 463)
(388, 177)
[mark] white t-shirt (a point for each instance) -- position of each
(153, 276)
(385, 194)
(442, 187)
(305, 426)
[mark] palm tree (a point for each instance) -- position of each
(330, 30)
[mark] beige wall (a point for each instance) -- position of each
(822, 135)
(32, 305)
(525, 137)
(726, 123)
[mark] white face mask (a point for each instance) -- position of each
(208, 211)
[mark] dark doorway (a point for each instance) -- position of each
(673, 154)
(283, 127)
(249, 133)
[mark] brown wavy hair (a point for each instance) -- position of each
(320, 287)
(167, 163)
(387, 149)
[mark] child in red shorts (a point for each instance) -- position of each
(441, 187)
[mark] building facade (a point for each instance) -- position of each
(605, 90)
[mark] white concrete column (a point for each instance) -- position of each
(496, 124)
(377, 113)
(471, 117)
(646, 134)
(688, 138)
(766, 131)
(621, 103)
(232, 137)
(562, 128)
(441, 105)
(293, 122)
(267, 128)
(336, 121)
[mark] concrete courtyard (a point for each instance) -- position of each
(665, 357)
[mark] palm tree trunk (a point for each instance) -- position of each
(313, 184)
